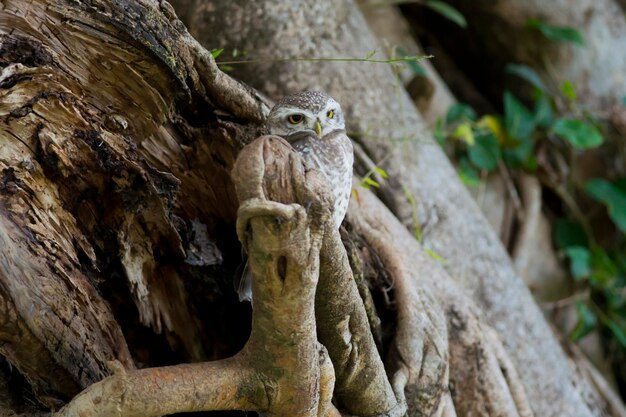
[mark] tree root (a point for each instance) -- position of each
(445, 357)
(282, 360)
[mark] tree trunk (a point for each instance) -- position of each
(385, 124)
(119, 214)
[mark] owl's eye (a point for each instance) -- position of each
(330, 114)
(294, 119)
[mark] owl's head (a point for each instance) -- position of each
(305, 111)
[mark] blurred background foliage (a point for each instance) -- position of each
(528, 125)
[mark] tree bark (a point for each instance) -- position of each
(114, 161)
(384, 122)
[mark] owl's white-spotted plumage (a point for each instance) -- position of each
(319, 136)
(312, 122)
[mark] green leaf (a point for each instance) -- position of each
(465, 133)
(620, 183)
(216, 52)
(612, 196)
(557, 33)
(587, 322)
(569, 233)
(447, 11)
(602, 190)
(518, 120)
(485, 153)
(526, 73)
(467, 173)
(458, 112)
(521, 156)
(618, 331)
(624, 100)
(544, 112)
(440, 131)
(580, 261)
(367, 182)
(580, 134)
(568, 90)
(381, 172)
(604, 269)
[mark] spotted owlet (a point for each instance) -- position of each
(313, 123)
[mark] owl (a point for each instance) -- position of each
(313, 123)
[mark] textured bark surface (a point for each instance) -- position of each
(119, 134)
(428, 91)
(383, 120)
(282, 370)
(89, 141)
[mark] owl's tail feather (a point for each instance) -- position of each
(242, 281)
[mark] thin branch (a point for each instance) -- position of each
(322, 59)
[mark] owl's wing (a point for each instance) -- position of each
(300, 140)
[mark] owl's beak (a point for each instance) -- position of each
(318, 128)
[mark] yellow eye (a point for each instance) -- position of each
(330, 114)
(294, 119)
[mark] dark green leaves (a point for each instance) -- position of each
(467, 173)
(580, 261)
(557, 33)
(526, 73)
(518, 120)
(587, 321)
(612, 196)
(440, 131)
(485, 153)
(544, 112)
(447, 11)
(580, 134)
(568, 233)
(619, 331)
(458, 112)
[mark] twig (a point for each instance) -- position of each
(322, 59)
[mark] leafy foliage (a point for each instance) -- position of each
(526, 73)
(460, 112)
(587, 321)
(216, 52)
(580, 261)
(612, 196)
(554, 123)
(580, 134)
(557, 33)
(447, 11)
(485, 153)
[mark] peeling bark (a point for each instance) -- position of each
(117, 162)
